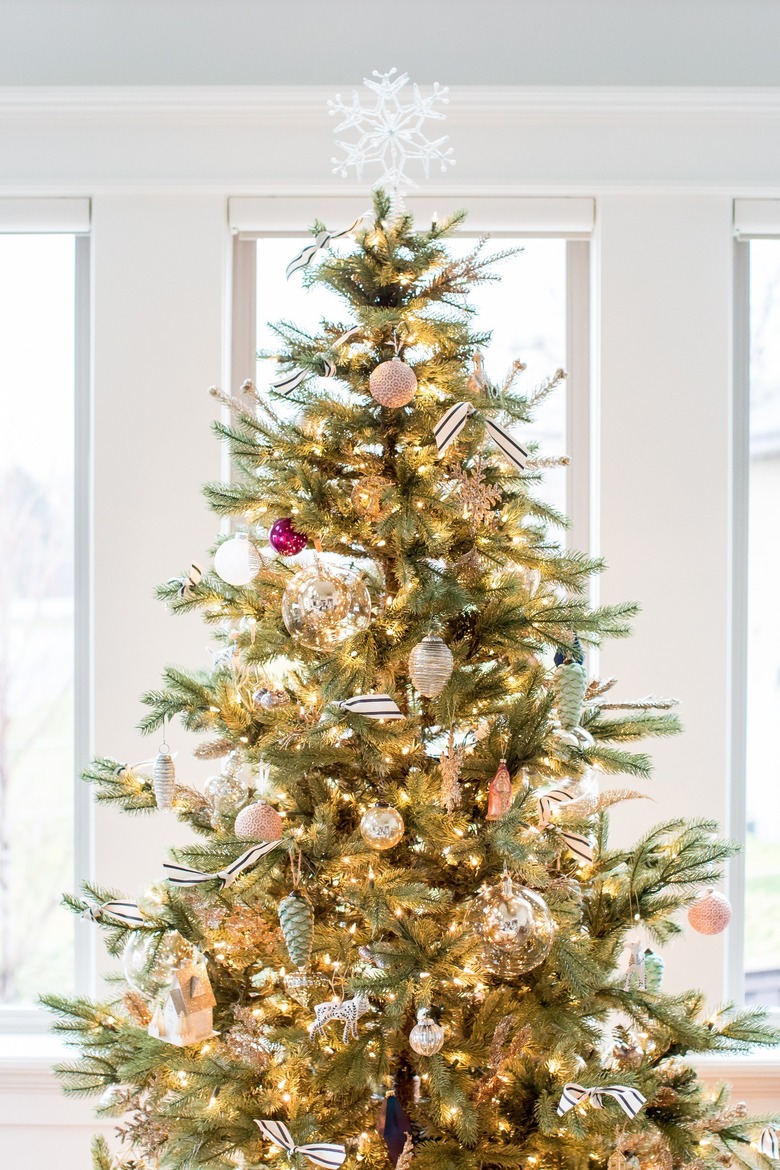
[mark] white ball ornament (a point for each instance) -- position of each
(711, 913)
(258, 822)
(393, 383)
(237, 560)
(426, 1037)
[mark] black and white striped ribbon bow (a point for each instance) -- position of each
(128, 913)
(293, 378)
(320, 1153)
(182, 875)
(190, 581)
(452, 423)
(629, 1100)
(767, 1143)
(373, 707)
(321, 240)
(580, 846)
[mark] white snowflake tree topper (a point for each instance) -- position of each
(390, 130)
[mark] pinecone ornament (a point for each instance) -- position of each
(297, 922)
(569, 683)
(164, 778)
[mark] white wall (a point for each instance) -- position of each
(160, 165)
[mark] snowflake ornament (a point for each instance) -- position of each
(390, 130)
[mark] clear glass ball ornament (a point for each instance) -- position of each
(149, 962)
(382, 826)
(323, 605)
(237, 561)
(226, 793)
(515, 926)
(426, 1037)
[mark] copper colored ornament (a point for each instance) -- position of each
(711, 913)
(393, 383)
(499, 793)
(258, 822)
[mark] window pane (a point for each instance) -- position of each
(762, 853)
(525, 310)
(37, 276)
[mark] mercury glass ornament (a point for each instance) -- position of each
(382, 826)
(711, 913)
(226, 793)
(267, 700)
(393, 383)
(515, 926)
(237, 560)
(323, 605)
(149, 961)
(304, 986)
(284, 539)
(430, 666)
(367, 498)
(258, 822)
(426, 1037)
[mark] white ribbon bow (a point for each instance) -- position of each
(182, 875)
(629, 1100)
(373, 706)
(320, 1153)
(321, 240)
(767, 1143)
(128, 913)
(580, 846)
(452, 423)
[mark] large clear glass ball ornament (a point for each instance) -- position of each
(323, 605)
(381, 826)
(149, 961)
(226, 794)
(514, 925)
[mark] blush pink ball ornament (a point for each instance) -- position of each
(258, 822)
(711, 913)
(392, 383)
(285, 540)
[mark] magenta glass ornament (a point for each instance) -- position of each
(284, 539)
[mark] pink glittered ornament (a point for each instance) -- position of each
(258, 822)
(392, 383)
(711, 913)
(285, 540)
(499, 793)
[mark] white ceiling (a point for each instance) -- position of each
(324, 42)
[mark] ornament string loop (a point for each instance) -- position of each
(182, 875)
(630, 1100)
(320, 1153)
(321, 240)
(452, 423)
(373, 707)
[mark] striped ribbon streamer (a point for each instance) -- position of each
(580, 846)
(128, 913)
(373, 707)
(189, 582)
(321, 240)
(320, 1153)
(182, 875)
(293, 378)
(452, 423)
(767, 1143)
(629, 1100)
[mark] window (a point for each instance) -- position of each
(41, 348)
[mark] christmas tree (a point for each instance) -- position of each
(405, 937)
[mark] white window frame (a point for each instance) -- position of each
(71, 216)
(571, 218)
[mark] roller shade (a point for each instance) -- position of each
(46, 215)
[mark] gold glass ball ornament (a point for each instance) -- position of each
(149, 960)
(323, 605)
(515, 926)
(393, 383)
(259, 822)
(368, 498)
(426, 1037)
(711, 913)
(237, 560)
(382, 826)
(430, 666)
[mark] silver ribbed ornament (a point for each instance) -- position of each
(164, 778)
(426, 1037)
(430, 666)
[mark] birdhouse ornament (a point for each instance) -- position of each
(186, 1015)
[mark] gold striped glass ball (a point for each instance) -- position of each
(426, 1037)
(430, 666)
(392, 383)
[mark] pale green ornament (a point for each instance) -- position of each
(297, 922)
(569, 683)
(654, 971)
